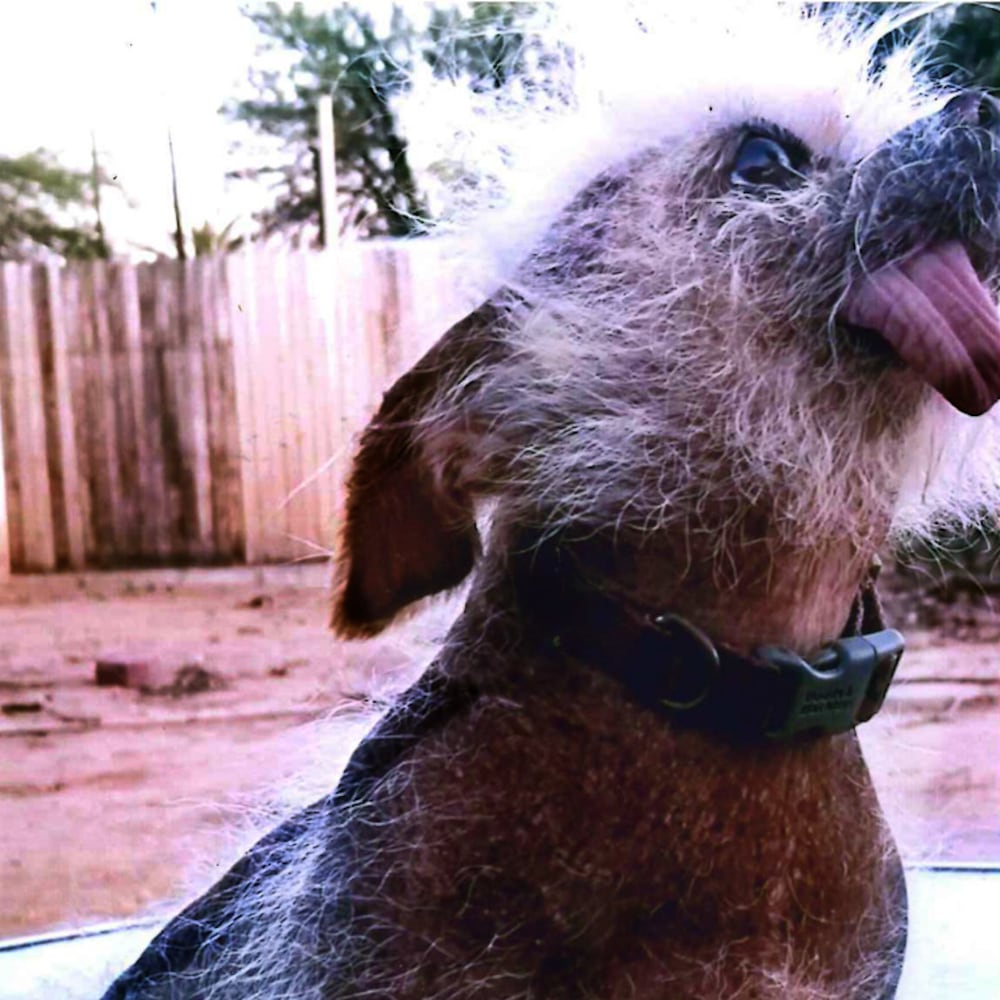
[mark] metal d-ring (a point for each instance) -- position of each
(677, 626)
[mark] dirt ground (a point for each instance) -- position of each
(114, 799)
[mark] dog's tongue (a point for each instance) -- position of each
(935, 313)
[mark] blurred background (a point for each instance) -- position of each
(216, 250)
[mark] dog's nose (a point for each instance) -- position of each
(973, 107)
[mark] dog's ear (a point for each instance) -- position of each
(409, 526)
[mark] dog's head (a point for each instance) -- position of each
(773, 295)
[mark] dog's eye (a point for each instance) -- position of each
(762, 162)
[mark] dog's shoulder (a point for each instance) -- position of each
(424, 708)
(208, 926)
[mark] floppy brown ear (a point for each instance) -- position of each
(409, 525)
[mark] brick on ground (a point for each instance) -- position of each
(129, 672)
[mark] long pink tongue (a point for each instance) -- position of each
(935, 313)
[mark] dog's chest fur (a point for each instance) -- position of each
(567, 843)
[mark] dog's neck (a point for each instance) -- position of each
(755, 593)
(794, 598)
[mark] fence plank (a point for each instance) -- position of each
(193, 414)
(302, 504)
(358, 374)
(261, 367)
(288, 514)
(119, 315)
(106, 439)
(8, 379)
(127, 319)
(180, 387)
(25, 423)
(77, 360)
(74, 495)
(265, 344)
(68, 508)
(168, 318)
(154, 320)
(388, 310)
(221, 412)
(40, 539)
(329, 415)
(239, 273)
(4, 520)
(267, 373)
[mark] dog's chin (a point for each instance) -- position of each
(938, 316)
(877, 357)
(869, 346)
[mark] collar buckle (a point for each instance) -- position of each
(844, 684)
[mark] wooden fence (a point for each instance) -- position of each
(198, 412)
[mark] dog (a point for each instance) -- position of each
(746, 351)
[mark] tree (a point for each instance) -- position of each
(967, 47)
(42, 208)
(489, 46)
(963, 39)
(207, 241)
(339, 52)
(366, 66)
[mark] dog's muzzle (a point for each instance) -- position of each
(924, 215)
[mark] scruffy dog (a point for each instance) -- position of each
(730, 366)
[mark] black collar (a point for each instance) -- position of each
(671, 667)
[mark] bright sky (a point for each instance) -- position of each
(113, 66)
